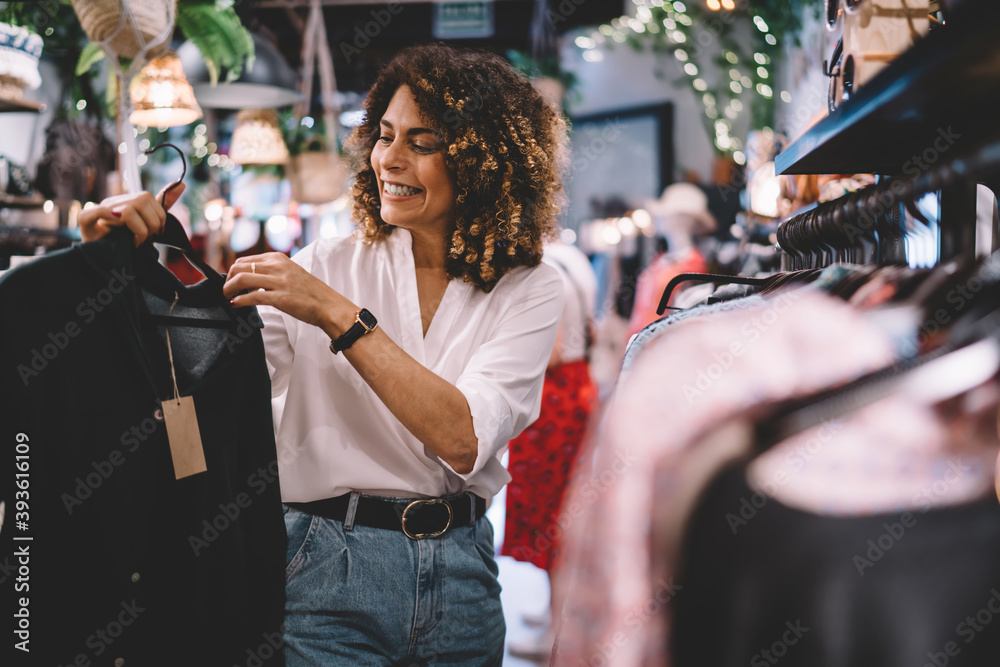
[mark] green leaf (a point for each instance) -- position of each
(220, 36)
(90, 56)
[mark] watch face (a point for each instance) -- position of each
(367, 318)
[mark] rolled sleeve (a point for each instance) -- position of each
(503, 380)
(279, 333)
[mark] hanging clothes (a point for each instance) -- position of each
(816, 590)
(129, 565)
(688, 390)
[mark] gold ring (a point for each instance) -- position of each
(253, 267)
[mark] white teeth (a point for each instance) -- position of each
(400, 190)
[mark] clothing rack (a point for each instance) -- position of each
(864, 227)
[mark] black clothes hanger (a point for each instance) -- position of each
(173, 233)
(767, 283)
(773, 283)
(703, 278)
(158, 280)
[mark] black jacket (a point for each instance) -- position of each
(125, 562)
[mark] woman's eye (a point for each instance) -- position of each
(385, 140)
(424, 149)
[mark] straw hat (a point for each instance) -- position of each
(684, 206)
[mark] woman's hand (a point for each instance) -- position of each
(275, 280)
(141, 212)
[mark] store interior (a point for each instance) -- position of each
(725, 157)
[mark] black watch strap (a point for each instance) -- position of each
(364, 323)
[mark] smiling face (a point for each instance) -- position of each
(416, 191)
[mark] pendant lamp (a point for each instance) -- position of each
(162, 96)
(257, 138)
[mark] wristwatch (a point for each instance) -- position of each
(364, 323)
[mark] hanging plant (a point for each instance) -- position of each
(304, 135)
(747, 75)
(219, 34)
(214, 27)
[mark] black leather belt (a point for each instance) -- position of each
(418, 519)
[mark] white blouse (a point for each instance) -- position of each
(335, 435)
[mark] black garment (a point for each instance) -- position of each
(126, 561)
(811, 591)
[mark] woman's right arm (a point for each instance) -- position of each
(140, 212)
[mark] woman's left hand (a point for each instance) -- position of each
(275, 280)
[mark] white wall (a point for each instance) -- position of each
(801, 74)
(626, 79)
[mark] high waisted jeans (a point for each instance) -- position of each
(369, 597)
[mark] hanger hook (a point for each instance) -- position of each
(184, 169)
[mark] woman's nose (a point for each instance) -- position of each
(393, 157)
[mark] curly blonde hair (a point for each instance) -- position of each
(505, 151)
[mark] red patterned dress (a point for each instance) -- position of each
(540, 462)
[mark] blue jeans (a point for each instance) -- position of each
(374, 597)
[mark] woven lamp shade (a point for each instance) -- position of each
(257, 138)
(128, 26)
(161, 95)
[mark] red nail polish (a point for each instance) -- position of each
(117, 214)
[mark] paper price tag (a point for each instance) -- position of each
(186, 449)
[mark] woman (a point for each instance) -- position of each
(410, 355)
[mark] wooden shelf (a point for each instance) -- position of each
(13, 201)
(933, 102)
(9, 105)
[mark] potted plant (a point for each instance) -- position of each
(317, 171)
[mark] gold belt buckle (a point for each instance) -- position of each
(424, 536)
